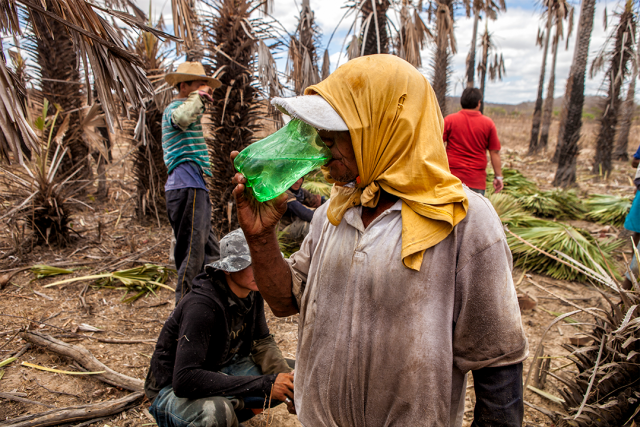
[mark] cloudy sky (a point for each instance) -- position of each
(514, 33)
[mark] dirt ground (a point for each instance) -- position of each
(64, 311)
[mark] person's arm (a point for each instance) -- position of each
(300, 210)
(259, 222)
(190, 378)
(264, 349)
(499, 401)
(496, 163)
(187, 113)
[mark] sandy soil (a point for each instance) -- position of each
(60, 311)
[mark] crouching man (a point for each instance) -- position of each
(216, 364)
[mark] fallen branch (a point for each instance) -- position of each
(85, 359)
(73, 413)
(10, 396)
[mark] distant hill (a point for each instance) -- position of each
(591, 111)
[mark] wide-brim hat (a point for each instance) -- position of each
(313, 110)
(189, 71)
(234, 253)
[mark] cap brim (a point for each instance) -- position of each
(230, 264)
(175, 78)
(311, 109)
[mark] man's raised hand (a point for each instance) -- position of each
(256, 219)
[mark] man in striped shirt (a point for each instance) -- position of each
(187, 159)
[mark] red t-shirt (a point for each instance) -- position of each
(469, 135)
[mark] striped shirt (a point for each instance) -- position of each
(184, 143)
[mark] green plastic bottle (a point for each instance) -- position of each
(275, 163)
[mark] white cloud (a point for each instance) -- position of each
(514, 33)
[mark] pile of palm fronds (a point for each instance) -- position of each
(315, 183)
(515, 183)
(607, 209)
(606, 389)
(556, 204)
(551, 237)
(554, 237)
(140, 280)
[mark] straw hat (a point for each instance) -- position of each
(189, 71)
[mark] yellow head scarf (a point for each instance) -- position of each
(396, 130)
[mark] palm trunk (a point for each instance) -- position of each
(567, 149)
(548, 103)
(61, 85)
(534, 145)
(483, 66)
(236, 110)
(375, 37)
(628, 107)
(471, 59)
(615, 75)
(443, 54)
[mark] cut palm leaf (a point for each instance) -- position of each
(58, 371)
(144, 279)
(607, 209)
(5, 362)
(41, 271)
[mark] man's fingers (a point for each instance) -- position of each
(238, 179)
(233, 155)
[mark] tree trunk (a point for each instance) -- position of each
(235, 112)
(567, 149)
(615, 75)
(375, 37)
(548, 102)
(483, 66)
(471, 59)
(628, 107)
(60, 83)
(442, 59)
(534, 145)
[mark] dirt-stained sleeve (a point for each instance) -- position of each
(488, 329)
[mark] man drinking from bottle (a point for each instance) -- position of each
(403, 283)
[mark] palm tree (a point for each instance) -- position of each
(149, 168)
(445, 48)
(302, 63)
(571, 117)
(490, 10)
(412, 35)
(490, 63)
(561, 12)
(61, 85)
(618, 60)
(374, 36)
(236, 109)
(115, 73)
(628, 108)
(537, 110)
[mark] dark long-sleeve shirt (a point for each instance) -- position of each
(207, 328)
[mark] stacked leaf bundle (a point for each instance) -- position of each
(607, 209)
(552, 237)
(606, 391)
(557, 204)
(140, 280)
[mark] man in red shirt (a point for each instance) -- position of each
(468, 135)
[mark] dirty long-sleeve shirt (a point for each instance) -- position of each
(383, 345)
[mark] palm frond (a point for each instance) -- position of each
(607, 209)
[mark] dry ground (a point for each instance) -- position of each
(60, 311)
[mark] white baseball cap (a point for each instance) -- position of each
(311, 109)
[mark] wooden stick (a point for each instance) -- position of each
(10, 396)
(86, 359)
(73, 413)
